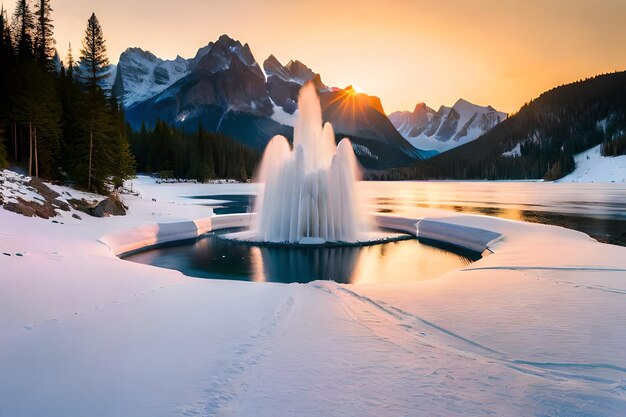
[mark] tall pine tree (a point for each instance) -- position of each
(93, 55)
(3, 152)
(107, 150)
(70, 64)
(24, 24)
(6, 43)
(43, 40)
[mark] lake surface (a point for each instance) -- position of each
(393, 262)
(598, 209)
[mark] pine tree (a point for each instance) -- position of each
(93, 55)
(70, 64)
(43, 40)
(6, 43)
(92, 69)
(3, 152)
(124, 166)
(24, 24)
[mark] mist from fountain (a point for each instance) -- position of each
(310, 191)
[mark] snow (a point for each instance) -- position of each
(535, 328)
(431, 143)
(472, 238)
(591, 166)
(282, 117)
(516, 152)
(140, 70)
(13, 185)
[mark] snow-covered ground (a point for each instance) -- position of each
(536, 328)
(591, 166)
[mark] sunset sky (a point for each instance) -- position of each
(501, 53)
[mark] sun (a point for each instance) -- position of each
(357, 88)
(353, 90)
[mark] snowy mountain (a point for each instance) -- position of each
(141, 75)
(223, 74)
(225, 90)
(447, 128)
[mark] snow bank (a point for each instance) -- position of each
(401, 224)
(591, 166)
(466, 237)
(149, 235)
(472, 238)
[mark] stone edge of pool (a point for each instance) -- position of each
(142, 237)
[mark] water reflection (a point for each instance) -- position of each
(393, 262)
(596, 209)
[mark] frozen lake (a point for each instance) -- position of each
(598, 209)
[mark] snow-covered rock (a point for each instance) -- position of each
(447, 128)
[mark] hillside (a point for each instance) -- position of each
(540, 141)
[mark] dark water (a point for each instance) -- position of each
(214, 257)
(228, 203)
(598, 209)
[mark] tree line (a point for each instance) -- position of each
(202, 155)
(56, 119)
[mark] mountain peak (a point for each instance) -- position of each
(422, 108)
(464, 105)
(227, 39)
(221, 54)
(133, 50)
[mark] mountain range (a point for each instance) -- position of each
(224, 89)
(448, 127)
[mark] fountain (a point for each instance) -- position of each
(310, 191)
(310, 194)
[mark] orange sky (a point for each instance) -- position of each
(501, 53)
